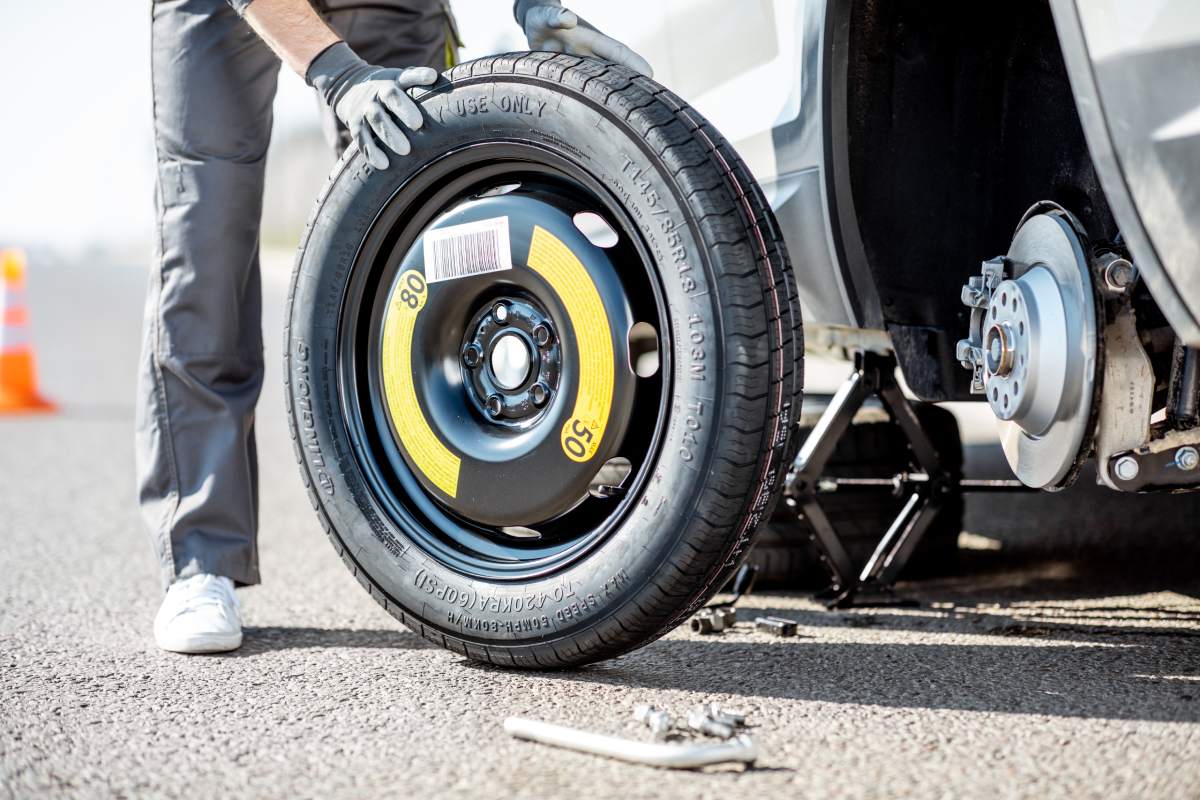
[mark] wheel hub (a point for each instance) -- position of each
(511, 360)
(1027, 367)
(1033, 348)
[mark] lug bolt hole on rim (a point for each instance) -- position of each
(472, 354)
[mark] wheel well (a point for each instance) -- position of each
(959, 117)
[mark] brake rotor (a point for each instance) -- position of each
(1036, 349)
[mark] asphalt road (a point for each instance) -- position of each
(1064, 664)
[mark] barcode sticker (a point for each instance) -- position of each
(473, 248)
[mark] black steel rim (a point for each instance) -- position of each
(483, 548)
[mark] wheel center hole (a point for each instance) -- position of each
(999, 349)
(510, 360)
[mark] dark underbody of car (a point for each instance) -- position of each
(959, 117)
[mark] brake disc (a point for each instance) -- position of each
(1034, 348)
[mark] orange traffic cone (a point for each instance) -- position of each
(18, 373)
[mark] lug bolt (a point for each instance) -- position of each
(541, 335)
(699, 720)
(500, 312)
(538, 393)
(657, 720)
(495, 405)
(1127, 468)
(1187, 458)
(472, 354)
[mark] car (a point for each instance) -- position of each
(545, 376)
(999, 196)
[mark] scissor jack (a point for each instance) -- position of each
(925, 492)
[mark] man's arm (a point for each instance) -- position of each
(549, 26)
(370, 101)
(291, 28)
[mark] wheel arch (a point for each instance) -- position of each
(945, 121)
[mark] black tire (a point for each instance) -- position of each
(735, 356)
(872, 447)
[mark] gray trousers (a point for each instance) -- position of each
(202, 361)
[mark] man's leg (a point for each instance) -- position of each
(201, 370)
(389, 33)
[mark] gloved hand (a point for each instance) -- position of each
(549, 26)
(369, 100)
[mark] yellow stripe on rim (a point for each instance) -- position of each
(584, 429)
(427, 452)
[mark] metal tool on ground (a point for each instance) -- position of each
(699, 721)
(689, 755)
(724, 715)
(718, 617)
(710, 720)
(776, 626)
(713, 620)
(656, 719)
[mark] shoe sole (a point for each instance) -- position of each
(195, 645)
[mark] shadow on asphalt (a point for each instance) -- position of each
(1128, 681)
(1078, 625)
(1070, 657)
(264, 640)
(1033, 594)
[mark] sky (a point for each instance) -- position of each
(76, 148)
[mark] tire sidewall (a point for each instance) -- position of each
(621, 567)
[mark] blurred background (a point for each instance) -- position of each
(77, 148)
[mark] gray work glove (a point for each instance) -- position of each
(549, 26)
(369, 100)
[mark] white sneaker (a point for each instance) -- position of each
(200, 614)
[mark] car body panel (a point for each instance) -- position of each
(1135, 72)
(755, 69)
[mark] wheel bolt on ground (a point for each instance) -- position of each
(472, 354)
(657, 720)
(541, 335)
(538, 394)
(700, 720)
(725, 716)
(495, 405)
(500, 312)
(776, 626)
(1187, 458)
(713, 620)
